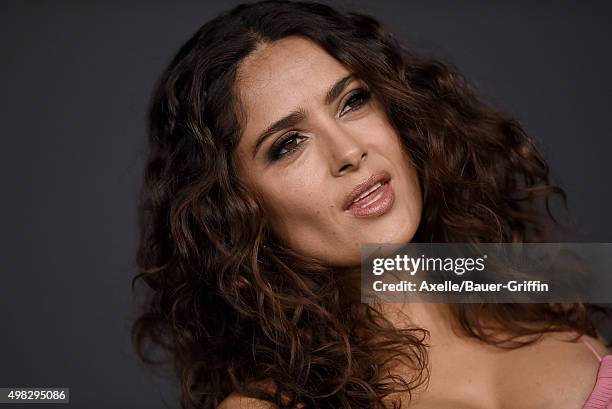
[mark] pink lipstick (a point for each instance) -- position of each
(372, 197)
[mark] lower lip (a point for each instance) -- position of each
(379, 207)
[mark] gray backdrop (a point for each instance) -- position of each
(75, 83)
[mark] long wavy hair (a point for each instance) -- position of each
(232, 308)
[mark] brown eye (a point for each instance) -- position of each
(286, 145)
(291, 143)
(356, 100)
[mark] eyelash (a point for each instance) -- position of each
(362, 96)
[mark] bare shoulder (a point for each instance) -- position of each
(599, 344)
(554, 370)
(236, 401)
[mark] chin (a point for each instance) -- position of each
(392, 237)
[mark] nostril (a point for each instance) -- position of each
(345, 167)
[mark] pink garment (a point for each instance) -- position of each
(601, 397)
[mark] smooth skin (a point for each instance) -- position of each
(303, 173)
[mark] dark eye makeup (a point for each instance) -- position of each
(292, 141)
(355, 100)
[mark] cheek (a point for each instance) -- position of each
(389, 144)
(378, 131)
(387, 141)
(290, 201)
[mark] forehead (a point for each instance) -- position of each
(279, 77)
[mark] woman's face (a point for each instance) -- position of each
(313, 142)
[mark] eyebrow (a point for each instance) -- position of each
(299, 114)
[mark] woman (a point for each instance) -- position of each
(283, 135)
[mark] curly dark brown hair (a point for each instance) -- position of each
(232, 307)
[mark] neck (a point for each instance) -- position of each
(435, 318)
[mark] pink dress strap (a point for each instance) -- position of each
(588, 345)
(601, 396)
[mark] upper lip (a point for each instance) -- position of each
(382, 177)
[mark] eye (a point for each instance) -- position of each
(355, 100)
(286, 145)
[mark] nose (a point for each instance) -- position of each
(346, 150)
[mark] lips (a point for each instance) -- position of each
(368, 191)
